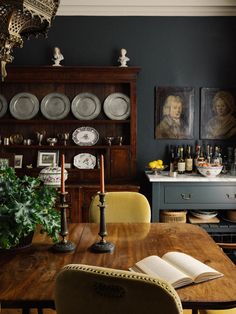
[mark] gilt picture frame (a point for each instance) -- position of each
(218, 113)
(174, 112)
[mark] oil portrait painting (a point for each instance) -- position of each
(174, 113)
(218, 120)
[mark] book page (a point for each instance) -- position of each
(192, 267)
(155, 266)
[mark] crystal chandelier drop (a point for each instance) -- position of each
(21, 19)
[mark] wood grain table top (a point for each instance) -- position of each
(27, 277)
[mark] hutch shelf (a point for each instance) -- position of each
(120, 156)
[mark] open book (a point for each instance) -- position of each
(179, 269)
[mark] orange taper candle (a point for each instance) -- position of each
(102, 183)
(62, 173)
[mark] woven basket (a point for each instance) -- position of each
(173, 216)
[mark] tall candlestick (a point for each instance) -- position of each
(102, 183)
(62, 173)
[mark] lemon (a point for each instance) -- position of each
(156, 164)
(152, 164)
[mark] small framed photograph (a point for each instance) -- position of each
(47, 158)
(6, 160)
(218, 113)
(174, 113)
(18, 161)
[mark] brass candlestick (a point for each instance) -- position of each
(102, 246)
(64, 245)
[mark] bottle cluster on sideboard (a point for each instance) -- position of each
(185, 158)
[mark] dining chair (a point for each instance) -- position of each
(89, 289)
(228, 311)
(122, 207)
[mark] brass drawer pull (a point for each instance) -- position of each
(185, 197)
(231, 197)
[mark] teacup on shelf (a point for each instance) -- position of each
(64, 137)
(109, 139)
(119, 140)
(52, 141)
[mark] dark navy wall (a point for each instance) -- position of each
(172, 51)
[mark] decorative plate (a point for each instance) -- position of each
(117, 106)
(24, 106)
(55, 106)
(85, 136)
(84, 161)
(86, 106)
(3, 105)
(204, 215)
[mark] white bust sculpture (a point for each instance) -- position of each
(57, 56)
(123, 59)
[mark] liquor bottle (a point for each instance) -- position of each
(201, 157)
(189, 160)
(181, 161)
(172, 158)
(196, 156)
(216, 159)
(208, 154)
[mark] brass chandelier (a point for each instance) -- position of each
(21, 19)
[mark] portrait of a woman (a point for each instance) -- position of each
(222, 123)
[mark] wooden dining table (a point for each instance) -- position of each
(27, 277)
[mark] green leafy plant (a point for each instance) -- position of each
(25, 203)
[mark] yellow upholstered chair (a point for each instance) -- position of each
(229, 311)
(122, 207)
(91, 290)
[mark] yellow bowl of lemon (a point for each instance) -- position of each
(156, 166)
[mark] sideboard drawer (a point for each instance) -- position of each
(198, 194)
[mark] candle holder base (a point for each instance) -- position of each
(102, 247)
(63, 247)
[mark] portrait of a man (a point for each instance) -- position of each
(218, 108)
(174, 113)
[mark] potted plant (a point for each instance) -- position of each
(25, 203)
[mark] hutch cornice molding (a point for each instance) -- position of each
(147, 8)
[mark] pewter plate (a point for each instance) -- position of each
(84, 161)
(85, 136)
(117, 106)
(24, 106)
(3, 105)
(55, 106)
(86, 106)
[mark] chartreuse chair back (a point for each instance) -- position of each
(122, 207)
(83, 289)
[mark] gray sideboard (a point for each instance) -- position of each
(191, 192)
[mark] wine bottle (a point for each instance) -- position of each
(172, 158)
(181, 161)
(189, 159)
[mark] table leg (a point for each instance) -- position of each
(194, 311)
(25, 310)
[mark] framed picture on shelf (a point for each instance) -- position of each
(47, 158)
(174, 113)
(18, 161)
(218, 118)
(6, 160)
